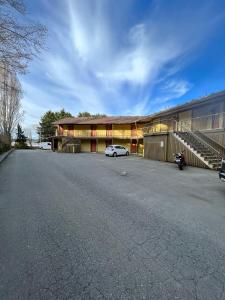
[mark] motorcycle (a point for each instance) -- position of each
(180, 160)
(222, 170)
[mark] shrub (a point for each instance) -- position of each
(4, 147)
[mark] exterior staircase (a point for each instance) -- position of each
(219, 148)
(203, 149)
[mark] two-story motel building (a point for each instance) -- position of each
(95, 134)
(197, 126)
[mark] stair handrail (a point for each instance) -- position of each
(208, 137)
(195, 135)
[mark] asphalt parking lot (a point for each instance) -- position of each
(86, 226)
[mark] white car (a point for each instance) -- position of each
(45, 146)
(116, 150)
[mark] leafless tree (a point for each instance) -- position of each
(10, 102)
(19, 40)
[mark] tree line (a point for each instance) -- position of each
(20, 41)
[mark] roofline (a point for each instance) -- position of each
(192, 103)
(218, 96)
(139, 119)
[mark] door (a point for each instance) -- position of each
(93, 146)
(108, 130)
(133, 147)
(93, 130)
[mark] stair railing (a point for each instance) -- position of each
(198, 138)
(212, 140)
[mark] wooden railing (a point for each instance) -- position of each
(100, 133)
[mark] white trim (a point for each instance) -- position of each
(210, 166)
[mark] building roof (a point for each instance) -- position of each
(102, 121)
(219, 96)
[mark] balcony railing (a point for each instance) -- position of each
(209, 122)
(100, 134)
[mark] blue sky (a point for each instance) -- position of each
(124, 57)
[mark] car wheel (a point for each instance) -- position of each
(127, 153)
(114, 154)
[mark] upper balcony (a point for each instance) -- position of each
(209, 122)
(120, 134)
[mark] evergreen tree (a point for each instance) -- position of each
(46, 129)
(87, 114)
(21, 140)
(84, 114)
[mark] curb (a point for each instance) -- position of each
(5, 155)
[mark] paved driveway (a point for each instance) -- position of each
(89, 227)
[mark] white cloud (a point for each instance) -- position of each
(171, 90)
(100, 62)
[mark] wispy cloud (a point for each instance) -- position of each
(102, 60)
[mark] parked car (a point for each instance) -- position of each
(45, 146)
(222, 170)
(116, 150)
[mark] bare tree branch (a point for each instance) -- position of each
(19, 41)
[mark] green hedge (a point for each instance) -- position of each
(4, 148)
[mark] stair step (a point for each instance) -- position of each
(206, 154)
(214, 160)
(196, 142)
